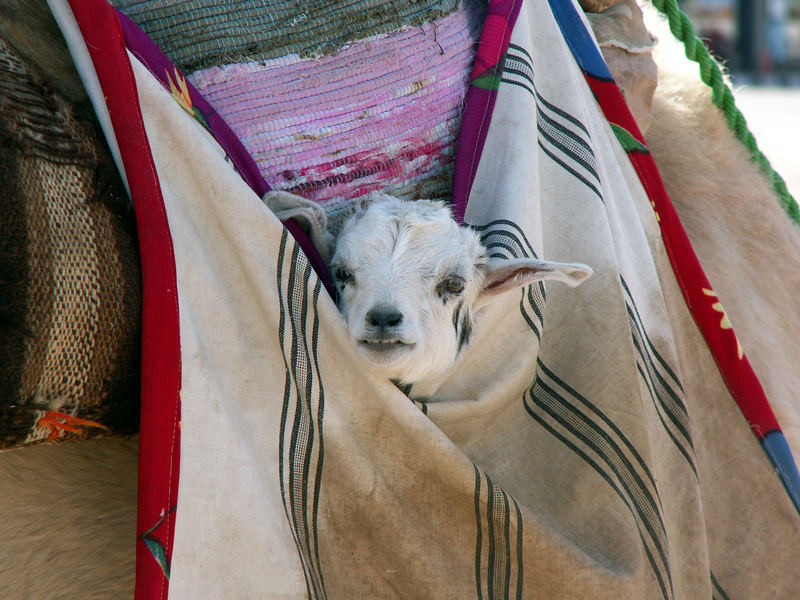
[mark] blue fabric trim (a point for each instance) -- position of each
(781, 456)
(579, 40)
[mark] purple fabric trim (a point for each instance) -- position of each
(478, 108)
(144, 49)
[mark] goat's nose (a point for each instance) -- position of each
(384, 316)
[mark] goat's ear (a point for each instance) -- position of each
(310, 215)
(506, 275)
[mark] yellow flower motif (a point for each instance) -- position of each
(180, 92)
(725, 322)
(655, 210)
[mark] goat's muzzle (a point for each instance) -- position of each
(383, 338)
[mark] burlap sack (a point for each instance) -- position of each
(69, 275)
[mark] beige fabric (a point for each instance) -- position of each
(559, 461)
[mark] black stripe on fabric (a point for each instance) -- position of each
(320, 421)
(554, 125)
(522, 50)
(571, 171)
(573, 143)
(536, 299)
(718, 592)
(686, 454)
(666, 396)
(490, 521)
(287, 387)
(655, 372)
(525, 72)
(479, 540)
(528, 60)
(289, 498)
(563, 114)
(503, 555)
(535, 325)
(584, 429)
(504, 240)
(299, 435)
(507, 534)
(600, 471)
(301, 451)
(509, 229)
(576, 157)
(663, 362)
(508, 236)
(519, 549)
(603, 419)
(499, 249)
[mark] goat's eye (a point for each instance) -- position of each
(451, 286)
(343, 276)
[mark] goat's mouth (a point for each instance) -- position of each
(384, 348)
(384, 343)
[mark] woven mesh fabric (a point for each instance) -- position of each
(71, 294)
(383, 113)
(201, 33)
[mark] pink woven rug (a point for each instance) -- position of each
(384, 113)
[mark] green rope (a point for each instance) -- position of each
(722, 97)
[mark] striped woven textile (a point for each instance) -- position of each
(383, 112)
(201, 33)
(590, 442)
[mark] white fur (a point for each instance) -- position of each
(398, 252)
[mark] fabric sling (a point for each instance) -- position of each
(593, 442)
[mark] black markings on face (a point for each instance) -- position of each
(462, 322)
(457, 316)
(466, 331)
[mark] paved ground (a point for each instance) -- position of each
(773, 116)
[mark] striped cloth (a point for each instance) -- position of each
(585, 446)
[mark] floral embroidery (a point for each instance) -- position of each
(179, 91)
(629, 143)
(155, 545)
(58, 424)
(725, 322)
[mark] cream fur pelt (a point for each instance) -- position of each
(68, 520)
(747, 245)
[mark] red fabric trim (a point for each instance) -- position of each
(736, 371)
(479, 101)
(159, 443)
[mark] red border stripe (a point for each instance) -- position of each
(159, 443)
(737, 373)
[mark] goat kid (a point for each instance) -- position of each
(411, 281)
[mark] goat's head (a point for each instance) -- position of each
(411, 281)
